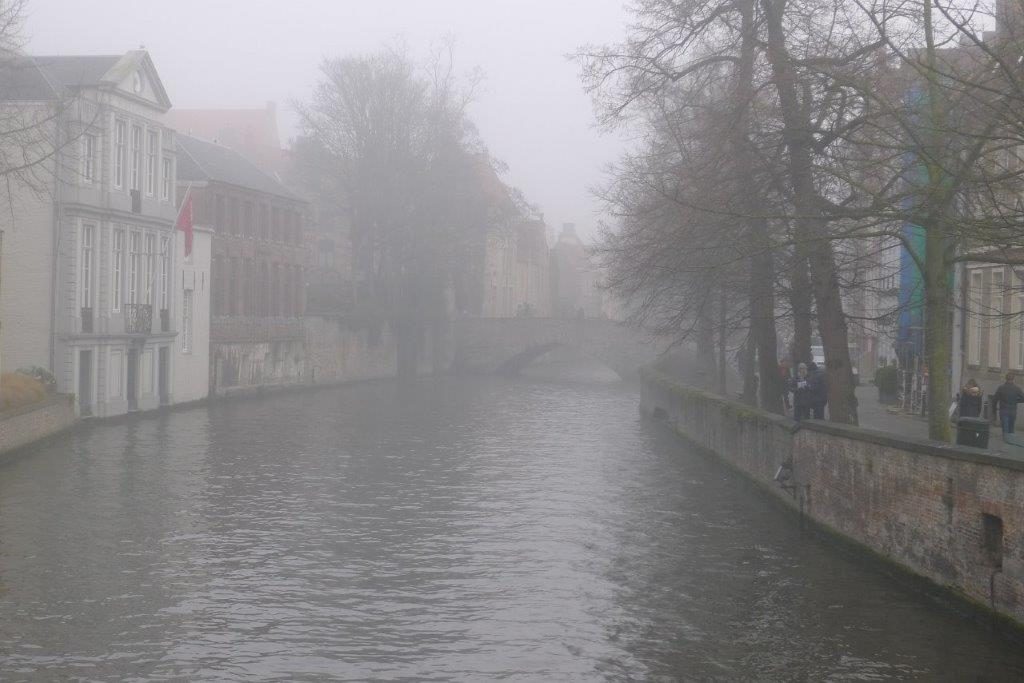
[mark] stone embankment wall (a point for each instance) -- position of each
(37, 421)
(951, 514)
(340, 351)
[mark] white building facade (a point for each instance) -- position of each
(89, 267)
(191, 381)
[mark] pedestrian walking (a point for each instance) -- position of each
(802, 396)
(1007, 396)
(819, 390)
(969, 401)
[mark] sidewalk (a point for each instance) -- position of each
(874, 415)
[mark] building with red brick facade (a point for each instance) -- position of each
(259, 256)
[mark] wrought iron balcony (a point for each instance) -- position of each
(86, 320)
(138, 318)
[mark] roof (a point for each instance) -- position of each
(46, 77)
(76, 71)
(251, 132)
(199, 160)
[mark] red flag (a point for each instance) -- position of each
(185, 221)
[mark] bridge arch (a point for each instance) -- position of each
(523, 360)
(508, 345)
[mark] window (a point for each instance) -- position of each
(248, 298)
(216, 284)
(120, 132)
(233, 287)
(995, 328)
(86, 263)
(152, 151)
(247, 225)
(134, 265)
(118, 269)
(218, 213)
(186, 321)
(88, 158)
(233, 215)
(167, 178)
(150, 268)
(1017, 330)
(136, 168)
(974, 321)
(264, 222)
(165, 269)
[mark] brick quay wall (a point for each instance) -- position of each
(27, 425)
(952, 515)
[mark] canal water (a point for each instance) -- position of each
(454, 529)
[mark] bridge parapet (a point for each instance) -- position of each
(508, 345)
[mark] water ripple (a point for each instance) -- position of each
(452, 530)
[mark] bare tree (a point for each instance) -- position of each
(393, 140)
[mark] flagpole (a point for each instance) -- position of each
(165, 248)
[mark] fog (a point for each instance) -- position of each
(531, 109)
(382, 391)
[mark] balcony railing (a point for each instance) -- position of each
(138, 318)
(86, 320)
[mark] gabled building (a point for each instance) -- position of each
(258, 262)
(88, 261)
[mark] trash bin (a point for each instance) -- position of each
(972, 431)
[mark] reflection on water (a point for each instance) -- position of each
(455, 529)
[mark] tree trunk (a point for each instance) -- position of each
(938, 333)
(762, 327)
(723, 342)
(706, 338)
(937, 299)
(761, 278)
(810, 225)
(748, 366)
(800, 302)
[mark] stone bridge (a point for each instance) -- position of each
(507, 345)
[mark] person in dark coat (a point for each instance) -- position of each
(969, 402)
(819, 391)
(802, 397)
(1007, 396)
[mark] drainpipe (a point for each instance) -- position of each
(58, 210)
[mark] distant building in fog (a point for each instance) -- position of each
(258, 261)
(253, 133)
(575, 278)
(191, 379)
(516, 271)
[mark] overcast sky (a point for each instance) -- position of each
(242, 53)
